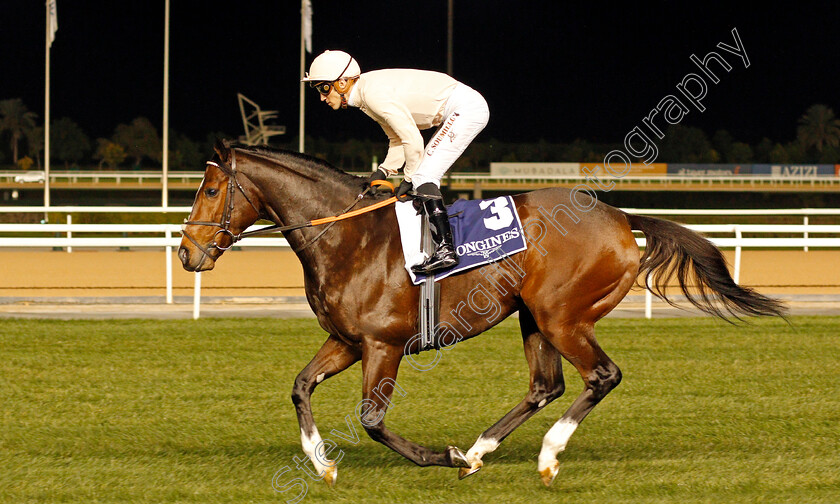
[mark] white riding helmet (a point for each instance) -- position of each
(330, 66)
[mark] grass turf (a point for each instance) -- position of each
(199, 411)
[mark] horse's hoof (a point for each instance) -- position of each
(467, 471)
(548, 474)
(330, 475)
(457, 457)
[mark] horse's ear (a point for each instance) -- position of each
(222, 149)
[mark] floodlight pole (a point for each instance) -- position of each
(165, 172)
(302, 70)
(47, 120)
(449, 30)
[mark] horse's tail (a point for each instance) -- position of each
(673, 250)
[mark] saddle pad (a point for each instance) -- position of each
(484, 232)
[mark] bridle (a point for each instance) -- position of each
(233, 186)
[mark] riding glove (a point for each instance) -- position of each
(376, 175)
(403, 190)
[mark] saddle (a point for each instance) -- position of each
(485, 231)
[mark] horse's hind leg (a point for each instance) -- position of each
(379, 367)
(332, 358)
(600, 375)
(546, 366)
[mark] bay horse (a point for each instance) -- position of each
(581, 261)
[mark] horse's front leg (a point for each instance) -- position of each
(380, 363)
(332, 358)
(545, 364)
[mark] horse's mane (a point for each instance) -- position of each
(285, 156)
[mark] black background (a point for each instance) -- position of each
(549, 70)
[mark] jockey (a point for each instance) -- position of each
(403, 102)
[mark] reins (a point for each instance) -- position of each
(234, 185)
(344, 214)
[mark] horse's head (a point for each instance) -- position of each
(222, 210)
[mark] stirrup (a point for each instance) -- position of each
(443, 258)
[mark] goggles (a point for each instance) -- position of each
(323, 87)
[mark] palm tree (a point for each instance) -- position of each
(818, 127)
(140, 140)
(68, 142)
(35, 142)
(16, 119)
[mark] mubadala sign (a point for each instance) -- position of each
(534, 170)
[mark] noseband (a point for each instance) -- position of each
(232, 187)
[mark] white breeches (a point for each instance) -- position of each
(465, 115)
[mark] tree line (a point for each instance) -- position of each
(138, 144)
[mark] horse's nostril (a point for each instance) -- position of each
(183, 255)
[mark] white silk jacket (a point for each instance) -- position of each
(403, 102)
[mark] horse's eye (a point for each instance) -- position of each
(211, 192)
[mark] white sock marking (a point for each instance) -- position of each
(482, 447)
(555, 441)
(309, 443)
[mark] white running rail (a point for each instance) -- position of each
(165, 236)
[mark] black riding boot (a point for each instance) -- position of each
(444, 256)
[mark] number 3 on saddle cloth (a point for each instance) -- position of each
(485, 231)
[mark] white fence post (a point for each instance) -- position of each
(737, 272)
(168, 270)
(648, 299)
(805, 223)
(69, 233)
(197, 295)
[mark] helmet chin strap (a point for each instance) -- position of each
(342, 90)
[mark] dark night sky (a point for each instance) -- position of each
(552, 70)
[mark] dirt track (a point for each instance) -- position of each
(278, 273)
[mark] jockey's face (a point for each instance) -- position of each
(332, 98)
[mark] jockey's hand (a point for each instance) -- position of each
(403, 190)
(376, 175)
